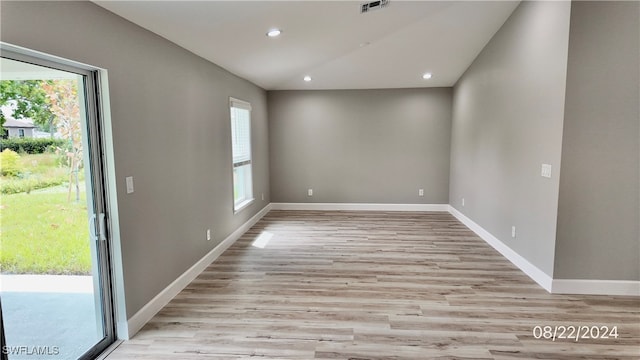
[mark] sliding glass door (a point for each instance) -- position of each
(55, 288)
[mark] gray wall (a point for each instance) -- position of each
(171, 131)
(599, 209)
(360, 146)
(15, 132)
(508, 112)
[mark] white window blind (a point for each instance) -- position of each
(240, 112)
(240, 135)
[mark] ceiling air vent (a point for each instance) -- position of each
(373, 5)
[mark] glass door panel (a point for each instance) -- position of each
(53, 284)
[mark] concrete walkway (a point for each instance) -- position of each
(53, 311)
(76, 284)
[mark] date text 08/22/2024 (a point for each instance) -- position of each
(575, 332)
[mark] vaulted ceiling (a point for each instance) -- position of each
(330, 41)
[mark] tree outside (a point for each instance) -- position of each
(29, 100)
(62, 96)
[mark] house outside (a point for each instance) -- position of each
(19, 128)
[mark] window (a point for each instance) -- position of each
(241, 151)
(21, 133)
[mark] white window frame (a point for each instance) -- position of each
(248, 186)
(21, 133)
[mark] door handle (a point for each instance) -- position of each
(92, 227)
(102, 226)
(98, 231)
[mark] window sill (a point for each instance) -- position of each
(241, 206)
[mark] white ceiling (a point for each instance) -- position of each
(328, 40)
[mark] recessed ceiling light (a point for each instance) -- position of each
(426, 76)
(274, 32)
(307, 78)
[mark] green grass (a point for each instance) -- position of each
(40, 163)
(42, 233)
(38, 171)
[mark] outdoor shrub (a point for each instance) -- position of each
(15, 186)
(9, 163)
(31, 145)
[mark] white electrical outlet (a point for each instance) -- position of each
(262, 196)
(208, 234)
(420, 192)
(545, 171)
(310, 192)
(462, 201)
(513, 231)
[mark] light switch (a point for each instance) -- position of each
(129, 180)
(546, 171)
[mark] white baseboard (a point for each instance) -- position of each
(139, 319)
(523, 264)
(596, 287)
(554, 286)
(359, 207)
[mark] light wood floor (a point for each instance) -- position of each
(374, 285)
